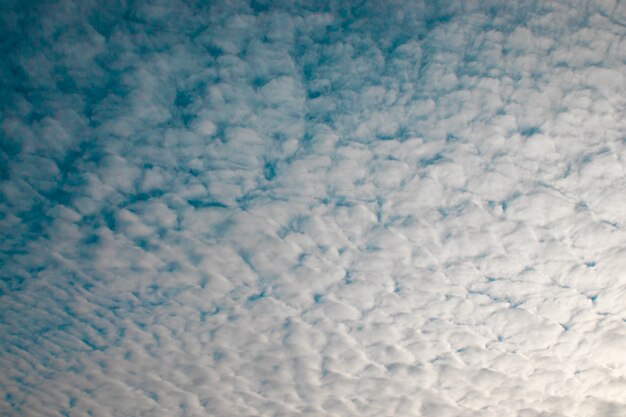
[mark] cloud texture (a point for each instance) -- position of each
(313, 209)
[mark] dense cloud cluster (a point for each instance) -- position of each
(283, 208)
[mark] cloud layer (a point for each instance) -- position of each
(313, 209)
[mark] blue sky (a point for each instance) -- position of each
(313, 208)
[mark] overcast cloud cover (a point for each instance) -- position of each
(344, 208)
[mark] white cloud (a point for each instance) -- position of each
(322, 210)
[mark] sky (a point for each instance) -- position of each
(321, 209)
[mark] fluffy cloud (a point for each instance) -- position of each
(278, 208)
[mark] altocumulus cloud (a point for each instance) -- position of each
(292, 208)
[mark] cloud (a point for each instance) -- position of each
(253, 208)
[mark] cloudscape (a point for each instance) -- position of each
(324, 209)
